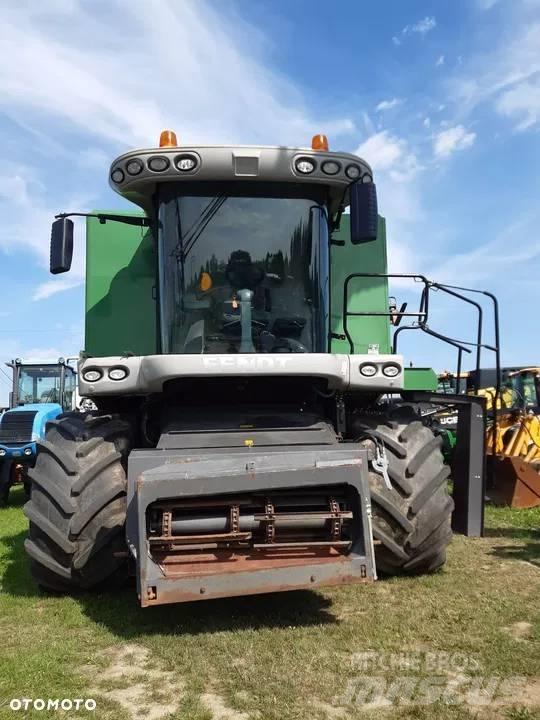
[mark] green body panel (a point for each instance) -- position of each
(365, 294)
(120, 276)
(420, 379)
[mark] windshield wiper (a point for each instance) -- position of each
(188, 240)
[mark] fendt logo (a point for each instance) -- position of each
(244, 363)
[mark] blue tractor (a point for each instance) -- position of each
(41, 392)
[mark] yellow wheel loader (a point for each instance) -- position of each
(513, 443)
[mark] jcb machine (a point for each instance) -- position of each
(41, 391)
(238, 350)
(513, 442)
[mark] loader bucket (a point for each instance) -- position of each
(516, 482)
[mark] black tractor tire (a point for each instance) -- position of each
(5, 482)
(77, 508)
(411, 522)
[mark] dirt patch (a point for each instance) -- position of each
(134, 682)
(520, 631)
(216, 705)
(531, 694)
(330, 711)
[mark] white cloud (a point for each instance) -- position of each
(509, 78)
(395, 168)
(391, 154)
(190, 68)
(94, 158)
(521, 102)
(455, 138)
(440, 61)
(28, 217)
(381, 150)
(422, 26)
(426, 122)
(388, 104)
(490, 259)
(51, 287)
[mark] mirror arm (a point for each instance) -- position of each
(103, 217)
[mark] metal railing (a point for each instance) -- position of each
(421, 324)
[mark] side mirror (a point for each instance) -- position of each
(61, 245)
(364, 215)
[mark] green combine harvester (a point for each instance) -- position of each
(256, 428)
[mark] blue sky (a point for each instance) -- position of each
(442, 99)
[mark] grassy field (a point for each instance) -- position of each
(298, 655)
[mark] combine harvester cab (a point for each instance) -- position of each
(41, 391)
(251, 432)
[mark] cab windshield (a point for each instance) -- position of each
(243, 268)
(43, 384)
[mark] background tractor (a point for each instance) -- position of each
(254, 429)
(41, 392)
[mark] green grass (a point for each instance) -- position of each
(288, 656)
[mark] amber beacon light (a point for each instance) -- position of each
(319, 142)
(168, 139)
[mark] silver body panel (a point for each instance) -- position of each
(221, 163)
(147, 374)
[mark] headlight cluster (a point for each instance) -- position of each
(308, 165)
(389, 369)
(186, 162)
(92, 375)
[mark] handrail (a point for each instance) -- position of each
(422, 325)
(423, 315)
(423, 309)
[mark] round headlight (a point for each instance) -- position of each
(353, 172)
(118, 373)
(27, 451)
(117, 175)
(184, 163)
(91, 375)
(2, 452)
(305, 166)
(330, 167)
(391, 370)
(134, 167)
(368, 370)
(158, 163)
(366, 178)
